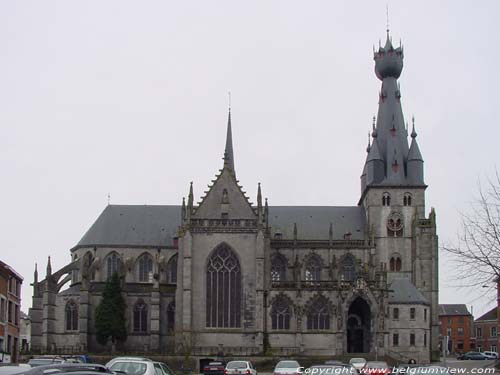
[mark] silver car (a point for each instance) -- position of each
(139, 367)
(287, 368)
(240, 368)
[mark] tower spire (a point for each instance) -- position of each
(228, 152)
(49, 267)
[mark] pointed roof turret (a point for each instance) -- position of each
(414, 153)
(190, 199)
(228, 151)
(49, 267)
(374, 153)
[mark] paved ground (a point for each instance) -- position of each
(471, 367)
(459, 367)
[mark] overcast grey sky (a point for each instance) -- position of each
(130, 98)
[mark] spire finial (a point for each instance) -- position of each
(229, 100)
(387, 18)
(369, 144)
(109, 199)
(190, 197)
(374, 129)
(228, 152)
(49, 267)
(413, 132)
(35, 276)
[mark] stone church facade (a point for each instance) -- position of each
(228, 275)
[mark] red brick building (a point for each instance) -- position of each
(486, 327)
(456, 322)
(10, 307)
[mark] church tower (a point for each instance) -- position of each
(221, 264)
(393, 191)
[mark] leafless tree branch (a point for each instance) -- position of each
(476, 254)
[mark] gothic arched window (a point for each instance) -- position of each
(140, 316)
(172, 270)
(113, 264)
(171, 316)
(386, 199)
(395, 263)
(145, 268)
(318, 314)
(348, 268)
(223, 289)
(313, 268)
(407, 199)
(280, 313)
(71, 316)
(278, 268)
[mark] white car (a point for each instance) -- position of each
(357, 363)
(134, 366)
(240, 368)
(287, 368)
(491, 355)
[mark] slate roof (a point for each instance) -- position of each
(313, 222)
(129, 225)
(71, 291)
(122, 225)
(457, 309)
(403, 291)
(490, 315)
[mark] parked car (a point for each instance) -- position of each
(214, 368)
(336, 369)
(77, 358)
(287, 368)
(45, 360)
(67, 368)
(491, 355)
(240, 367)
(110, 363)
(358, 363)
(135, 366)
(376, 368)
(472, 356)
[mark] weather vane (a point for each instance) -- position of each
(387, 17)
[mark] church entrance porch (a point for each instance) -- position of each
(358, 327)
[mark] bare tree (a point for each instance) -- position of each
(477, 251)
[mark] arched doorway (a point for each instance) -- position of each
(358, 327)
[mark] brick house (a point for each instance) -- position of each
(486, 327)
(10, 304)
(456, 322)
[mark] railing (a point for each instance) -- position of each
(319, 244)
(223, 224)
(322, 284)
(227, 351)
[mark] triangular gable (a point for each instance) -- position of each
(225, 197)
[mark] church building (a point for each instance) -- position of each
(226, 275)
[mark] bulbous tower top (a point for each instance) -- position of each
(388, 60)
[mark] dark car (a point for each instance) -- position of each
(68, 368)
(472, 356)
(45, 360)
(214, 368)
